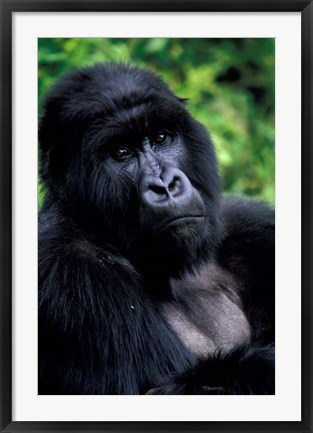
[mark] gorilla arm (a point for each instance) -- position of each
(248, 251)
(98, 333)
(244, 371)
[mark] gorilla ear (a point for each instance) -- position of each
(58, 138)
(183, 100)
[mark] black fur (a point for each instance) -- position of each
(148, 281)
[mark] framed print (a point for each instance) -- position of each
(146, 283)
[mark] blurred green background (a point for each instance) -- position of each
(229, 83)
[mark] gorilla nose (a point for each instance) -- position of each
(171, 186)
(158, 191)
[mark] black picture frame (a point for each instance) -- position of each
(8, 7)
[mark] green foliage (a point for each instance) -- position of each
(229, 84)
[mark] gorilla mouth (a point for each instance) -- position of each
(180, 221)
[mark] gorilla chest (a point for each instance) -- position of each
(207, 320)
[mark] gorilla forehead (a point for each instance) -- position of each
(144, 118)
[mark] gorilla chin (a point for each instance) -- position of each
(180, 231)
(183, 226)
(172, 247)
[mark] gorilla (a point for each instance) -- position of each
(149, 281)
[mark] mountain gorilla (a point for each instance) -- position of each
(149, 282)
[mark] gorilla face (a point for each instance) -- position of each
(130, 162)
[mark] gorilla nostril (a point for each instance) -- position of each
(175, 186)
(172, 184)
(157, 189)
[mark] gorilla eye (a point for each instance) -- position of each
(120, 153)
(159, 138)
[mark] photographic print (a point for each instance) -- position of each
(156, 203)
(145, 148)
